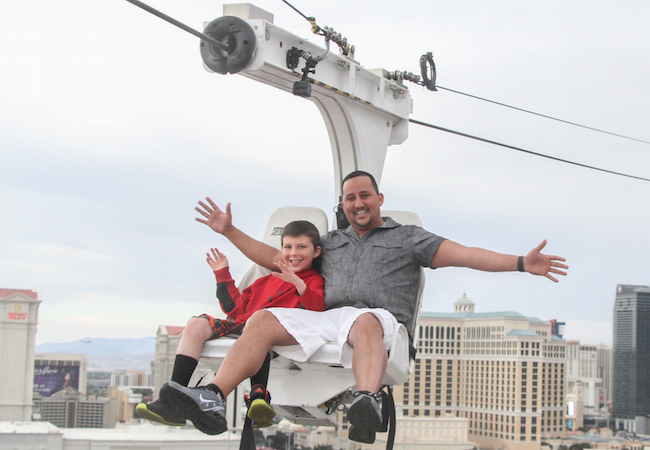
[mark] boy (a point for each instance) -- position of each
(297, 285)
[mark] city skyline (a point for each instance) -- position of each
(575, 331)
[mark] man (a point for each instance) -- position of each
(370, 271)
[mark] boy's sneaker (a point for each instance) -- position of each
(365, 413)
(360, 435)
(259, 406)
(156, 412)
(204, 407)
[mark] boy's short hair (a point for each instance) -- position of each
(302, 228)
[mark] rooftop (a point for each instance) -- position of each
(475, 315)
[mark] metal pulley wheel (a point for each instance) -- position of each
(238, 35)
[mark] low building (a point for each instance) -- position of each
(69, 408)
(40, 435)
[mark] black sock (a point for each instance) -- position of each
(262, 375)
(183, 369)
(214, 388)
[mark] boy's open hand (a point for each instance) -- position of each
(217, 260)
(285, 273)
(289, 276)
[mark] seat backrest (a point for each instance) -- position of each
(273, 233)
(410, 218)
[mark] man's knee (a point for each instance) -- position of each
(369, 322)
(366, 325)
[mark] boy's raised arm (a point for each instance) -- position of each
(221, 222)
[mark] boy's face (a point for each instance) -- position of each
(298, 252)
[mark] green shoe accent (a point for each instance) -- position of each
(156, 412)
(261, 413)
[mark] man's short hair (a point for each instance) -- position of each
(361, 173)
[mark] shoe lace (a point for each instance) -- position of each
(257, 391)
(375, 395)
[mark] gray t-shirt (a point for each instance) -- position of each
(380, 270)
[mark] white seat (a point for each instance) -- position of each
(273, 234)
(292, 383)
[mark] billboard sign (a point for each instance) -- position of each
(50, 379)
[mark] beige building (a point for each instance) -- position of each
(69, 408)
(502, 372)
(129, 378)
(582, 374)
(18, 322)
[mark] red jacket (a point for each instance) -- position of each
(268, 292)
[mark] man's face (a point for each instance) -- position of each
(361, 204)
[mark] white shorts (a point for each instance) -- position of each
(313, 329)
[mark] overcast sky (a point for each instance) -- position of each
(111, 131)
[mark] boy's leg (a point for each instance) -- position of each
(205, 405)
(247, 355)
(196, 332)
(260, 410)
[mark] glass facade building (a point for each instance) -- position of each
(631, 352)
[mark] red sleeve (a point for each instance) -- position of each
(314, 296)
(232, 302)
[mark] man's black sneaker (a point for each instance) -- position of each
(156, 412)
(204, 407)
(365, 411)
(259, 406)
(360, 435)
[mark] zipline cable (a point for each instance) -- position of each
(327, 32)
(459, 133)
(296, 10)
(542, 115)
(180, 25)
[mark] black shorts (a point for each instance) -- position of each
(222, 327)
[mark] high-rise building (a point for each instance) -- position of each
(604, 362)
(503, 372)
(558, 328)
(582, 374)
(631, 356)
(18, 321)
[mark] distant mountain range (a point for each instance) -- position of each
(108, 354)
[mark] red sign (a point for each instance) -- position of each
(17, 316)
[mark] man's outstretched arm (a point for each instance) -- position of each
(452, 254)
(221, 222)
